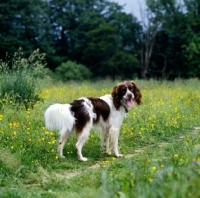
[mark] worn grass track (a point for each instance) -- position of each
(68, 175)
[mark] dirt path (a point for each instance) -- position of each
(137, 151)
(69, 175)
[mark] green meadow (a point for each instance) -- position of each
(160, 140)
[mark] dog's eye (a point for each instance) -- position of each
(124, 90)
(131, 89)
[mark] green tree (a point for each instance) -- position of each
(66, 30)
(123, 65)
(101, 46)
(91, 32)
(177, 50)
(25, 24)
(150, 23)
(72, 71)
(192, 47)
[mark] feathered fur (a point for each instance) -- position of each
(106, 112)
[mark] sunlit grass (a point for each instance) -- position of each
(170, 110)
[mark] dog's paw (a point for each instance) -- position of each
(62, 156)
(119, 155)
(83, 159)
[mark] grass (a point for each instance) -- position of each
(167, 163)
(19, 79)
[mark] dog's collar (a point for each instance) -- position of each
(126, 110)
(124, 105)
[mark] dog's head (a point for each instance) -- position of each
(126, 93)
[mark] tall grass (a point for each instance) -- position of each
(19, 79)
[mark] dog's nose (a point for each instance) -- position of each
(129, 96)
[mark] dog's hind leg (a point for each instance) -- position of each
(81, 141)
(64, 135)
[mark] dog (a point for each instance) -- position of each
(106, 112)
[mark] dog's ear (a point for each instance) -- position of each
(116, 98)
(137, 93)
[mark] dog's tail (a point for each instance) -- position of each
(58, 117)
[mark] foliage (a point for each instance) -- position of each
(192, 54)
(93, 33)
(24, 24)
(18, 79)
(176, 51)
(72, 71)
(123, 65)
(158, 139)
(64, 31)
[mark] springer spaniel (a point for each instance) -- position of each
(107, 112)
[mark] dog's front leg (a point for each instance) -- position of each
(114, 135)
(105, 140)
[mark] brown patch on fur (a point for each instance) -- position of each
(81, 115)
(120, 90)
(136, 92)
(101, 108)
(117, 94)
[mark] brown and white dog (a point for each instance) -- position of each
(107, 112)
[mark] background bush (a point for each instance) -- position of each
(72, 71)
(19, 79)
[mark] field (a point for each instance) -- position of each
(160, 141)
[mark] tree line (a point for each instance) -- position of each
(98, 36)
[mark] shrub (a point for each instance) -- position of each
(18, 79)
(72, 71)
